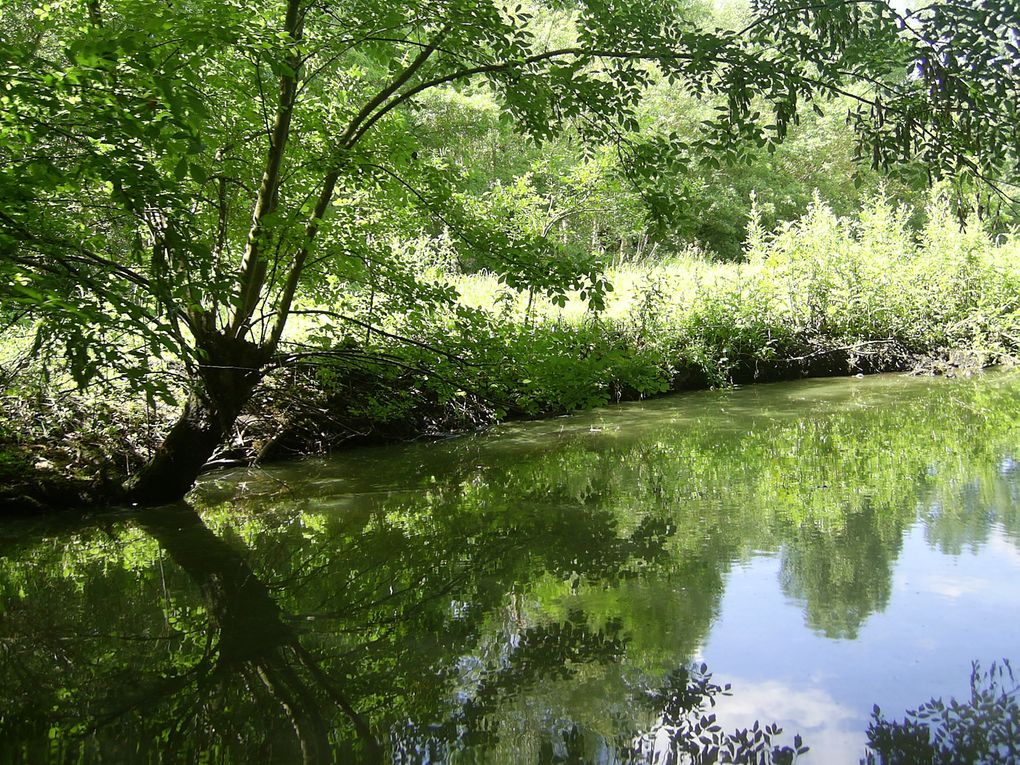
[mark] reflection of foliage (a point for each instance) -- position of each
(152, 678)
(984, 729)
(833, 573)
(684, 733)
(990, 498)
(525, 592)
(543, 654)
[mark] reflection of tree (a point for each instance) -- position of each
(482, 596)
(842, 577)
(544, 653)
(249, 643)
(965, 517)
(684, 732)
(238, 673)
(980, 729)
(223, 661)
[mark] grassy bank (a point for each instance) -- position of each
(822, 296)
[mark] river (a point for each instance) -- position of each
(579, 589)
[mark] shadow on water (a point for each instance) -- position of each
(535, 599)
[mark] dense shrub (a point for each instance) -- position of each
(821, 295)
(824, 286)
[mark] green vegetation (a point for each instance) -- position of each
(201, 201)
(488, 596)
(848, 294)
(236, 230)
(982, 728)
(822, 295)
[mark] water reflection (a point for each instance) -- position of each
(844, 574)
(535, 594)
(251, 653)
(215, 664)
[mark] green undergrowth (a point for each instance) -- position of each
(824, 295)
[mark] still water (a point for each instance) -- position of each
(542, 592)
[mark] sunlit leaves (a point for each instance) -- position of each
(135, 135)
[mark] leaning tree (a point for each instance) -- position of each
(179, 177)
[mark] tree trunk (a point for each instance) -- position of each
(179, 459)
(226, 384)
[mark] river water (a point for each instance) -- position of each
(580, 589)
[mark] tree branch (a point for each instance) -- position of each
(397, 83)
(253, 265)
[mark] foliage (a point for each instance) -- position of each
(685, 733)
(980, 729)
(13, 466)
(857, 291)
(180, 181)
(867, 279)
(818, 296)
(704, 200)
(77, 434)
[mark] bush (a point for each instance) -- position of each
(983, 729)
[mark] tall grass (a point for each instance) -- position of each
(866, 292)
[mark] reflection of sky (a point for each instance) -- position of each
(944, 612)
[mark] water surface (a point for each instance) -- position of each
(537, 593)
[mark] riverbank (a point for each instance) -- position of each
(286, 424)
(823, 297)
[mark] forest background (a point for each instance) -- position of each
(649, 253)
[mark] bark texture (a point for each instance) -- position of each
(225, 385)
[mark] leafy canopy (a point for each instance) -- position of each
(180, 176)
